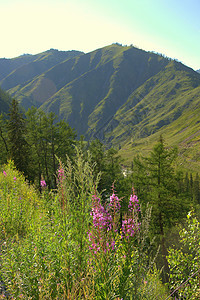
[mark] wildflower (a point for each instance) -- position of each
(61, 173)
(101, 218)
(14, 178)
(4, 172)
(43, 183)
(114, 203)
(129, 227)
(133, 203)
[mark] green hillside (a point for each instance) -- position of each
(89, 101)
(157, 103)
(122, 95)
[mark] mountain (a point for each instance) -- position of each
(88, 89)
(198, 71)
(122, 95)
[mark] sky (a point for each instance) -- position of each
(170, 27)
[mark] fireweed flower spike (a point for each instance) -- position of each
(114, 203)
(43, 183)
(102, 221)
(61, 173)
(134, 203)
(130, 224)
(4, 172)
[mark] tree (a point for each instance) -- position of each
(3, 140)
(196, 190)
(108, 163)
(160, 186)
(17, 144)
(48, 141)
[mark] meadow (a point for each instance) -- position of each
(69, 243)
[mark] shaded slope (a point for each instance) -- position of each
(8, 65)
(40, 63)
(157, 103)
(47, 84)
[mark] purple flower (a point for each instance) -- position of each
(4, 172)
(14, 178)
(101, 218)
(114, 203)
(129, 227)
(43, 183)
(134, 203)
(61, 173)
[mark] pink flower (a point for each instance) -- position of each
(43, 183)
(14, 178)
(61, 173)
(4, 172)
(114, 203)
(133, 203)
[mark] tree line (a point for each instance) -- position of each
(35, 141)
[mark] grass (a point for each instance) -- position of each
(45, 250)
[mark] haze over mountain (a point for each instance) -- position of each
(119, 94)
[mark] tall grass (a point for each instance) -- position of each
(67, 244)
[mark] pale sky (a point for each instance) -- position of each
(170, 27)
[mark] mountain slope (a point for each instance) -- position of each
(50, 82)
(158, 102)
(89, 101)
(41, 63)
(183, 132)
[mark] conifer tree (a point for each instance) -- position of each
(48, 141)
(17, 145)
(3, 140)
(196, 190)
(158, 183)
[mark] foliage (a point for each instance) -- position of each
(108, 164)
(34, 141)
(156, 182)
(49, 254)
(184, 262)
(4, 102)
(17, 144)
(19, 203)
